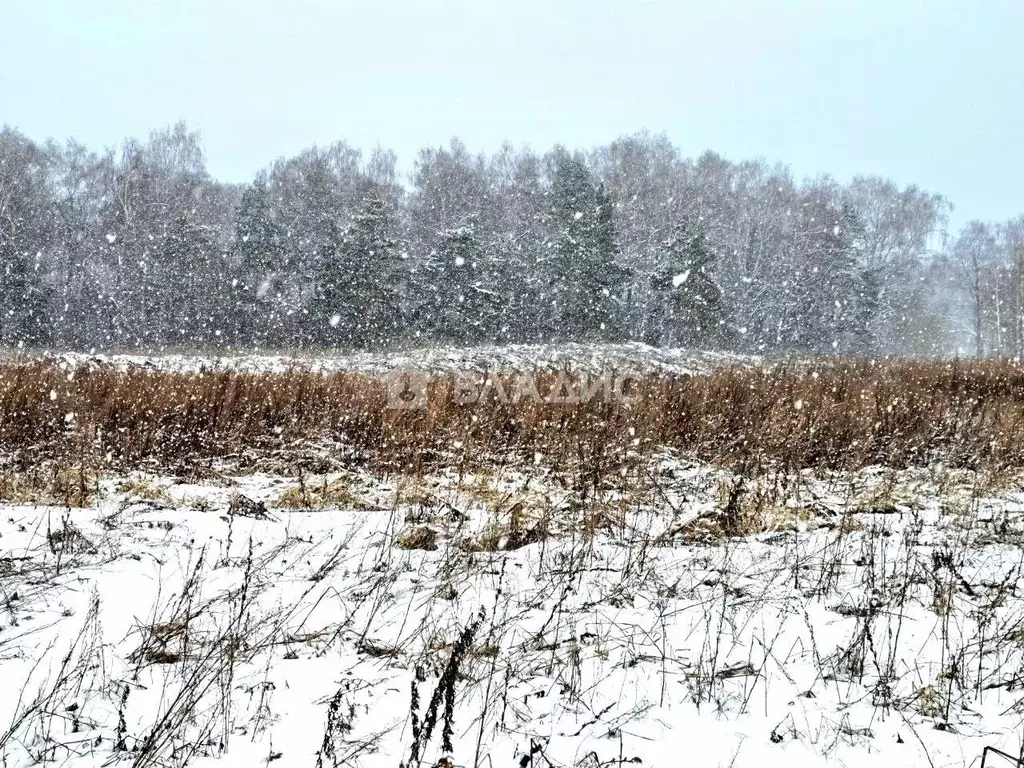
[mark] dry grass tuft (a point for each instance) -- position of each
(505, 536)
(68, 539)
(417, 537)
(320, 495)
(143, 490)
(71, 488)
(164, 643)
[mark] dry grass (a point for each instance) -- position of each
(143, 489)
(503, 534)
(53, 486)
(417, 537)
(840, 415)
(320, 494)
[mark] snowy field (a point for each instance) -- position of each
(632, 356)
(672, 616)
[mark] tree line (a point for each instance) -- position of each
(139, 247)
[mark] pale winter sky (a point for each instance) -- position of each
(928, 92)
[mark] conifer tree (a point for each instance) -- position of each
(458, 305)
(584, 272)
(258, 251)
(190, 285)
(358, 293)
(690, 309)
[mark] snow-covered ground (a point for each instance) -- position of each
(631, 356)
(358, 619)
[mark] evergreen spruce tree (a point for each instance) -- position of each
(864, 282)
(574, 201)
(585, 276)
(24, 234)
(689, 304)
(313, 238)
(358, 294)
(518, 271)
(867, 302)
(457, 306)
(23, 301)
(333, 303)
(834, 298)
(604, 279)
(258, 252)
(190, 286)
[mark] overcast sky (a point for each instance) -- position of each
(929, 92)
